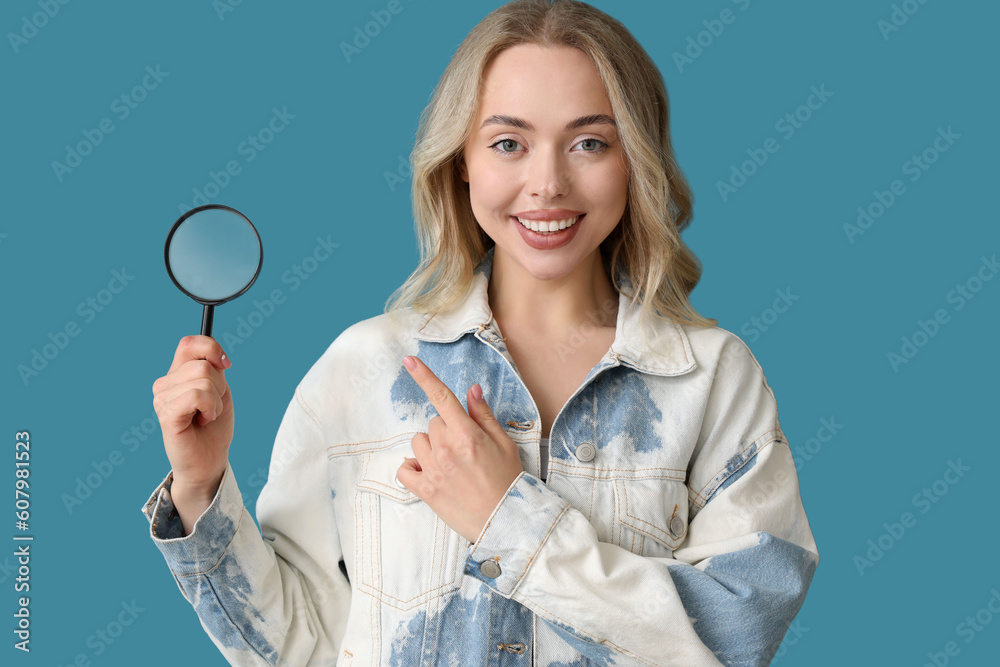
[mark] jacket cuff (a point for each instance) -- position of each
(212, 532)
(514, 533)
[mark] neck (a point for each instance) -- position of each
(554, 308)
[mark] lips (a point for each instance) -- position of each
(548, 241)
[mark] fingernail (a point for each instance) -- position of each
(226, 363)
(409, 362)
(477, 391)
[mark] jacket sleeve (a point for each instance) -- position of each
(729, 592)
(271, 593)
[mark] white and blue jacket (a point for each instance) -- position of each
(669, 529)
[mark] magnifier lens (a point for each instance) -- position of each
(213, 254)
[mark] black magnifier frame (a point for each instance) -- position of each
(209, 304)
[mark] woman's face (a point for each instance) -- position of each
(539, 149)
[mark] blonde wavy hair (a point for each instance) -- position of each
(646, 246)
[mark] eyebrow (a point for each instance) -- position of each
(582, 121)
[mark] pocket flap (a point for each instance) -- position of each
(378, 472)
(657, 508)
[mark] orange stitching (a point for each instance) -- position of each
(391, 439)
(564, 469)
(374, 587)
(773, 436)
(604, 642)
(773, 433)
(540, 544)
(590, 510)
(235, 533)
(667, 539)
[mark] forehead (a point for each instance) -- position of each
(542, 84)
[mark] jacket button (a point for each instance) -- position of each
(400, 484)
(586, 452)
(676, 526)
(490, 569)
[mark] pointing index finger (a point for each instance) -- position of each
(441, 397)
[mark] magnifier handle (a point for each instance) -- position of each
(206, 320)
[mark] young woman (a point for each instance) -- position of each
(540, 454)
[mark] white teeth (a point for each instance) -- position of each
(543, 226)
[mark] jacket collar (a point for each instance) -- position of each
(473, 313)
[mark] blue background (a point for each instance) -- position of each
(325, 176)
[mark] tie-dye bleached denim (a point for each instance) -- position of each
(683, 541)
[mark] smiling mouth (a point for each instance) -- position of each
(548, 227)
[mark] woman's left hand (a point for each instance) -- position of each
(465, 463)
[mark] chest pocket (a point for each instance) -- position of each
(405, 554)
(651, 515)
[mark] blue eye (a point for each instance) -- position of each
(503, 141)
(603, 146)
(596, 150)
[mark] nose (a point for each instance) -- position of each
(548, 176)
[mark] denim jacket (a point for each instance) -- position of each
(669, 529)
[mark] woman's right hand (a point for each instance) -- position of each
(195, 409)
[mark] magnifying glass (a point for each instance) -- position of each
(213, 254)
